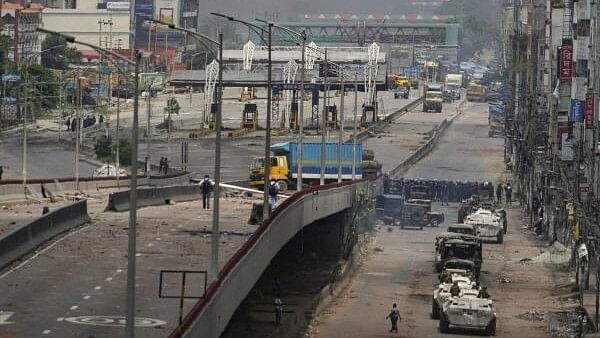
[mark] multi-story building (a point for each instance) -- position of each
(100, 23)
(19, 23)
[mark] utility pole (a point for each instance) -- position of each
(79, 126)
(324, 119)
(25, 104)
(148, 141)
(341, 126)
(117, 136)
(354, 126)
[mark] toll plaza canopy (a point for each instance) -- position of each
(358, 64)
(243, 78)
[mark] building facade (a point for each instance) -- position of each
(19, 23)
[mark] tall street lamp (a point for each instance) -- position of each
(214, 261)
(130, 315)
(302, 37)
(267, 162)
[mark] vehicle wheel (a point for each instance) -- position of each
(500, 238)
(282, 186)
(443, 324)
(505, 229)
(491, 329)
(435, 310)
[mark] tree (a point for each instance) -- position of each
(61, 55)
(124, 152)
(103, 148)
(4, 45)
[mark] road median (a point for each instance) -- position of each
(23, 240)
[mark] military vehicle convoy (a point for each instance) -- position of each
(459, 302)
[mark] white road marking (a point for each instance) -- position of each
(379, 274)
(4, 315)
(108, 279)
(98, 287)
(46, 332)
(114, 321)
(74, 307)
(60, 319)
(150, 244)
(41, 252)
(87, 297)
(138, 254)
(119, 270)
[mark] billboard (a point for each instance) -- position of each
(144, 9)
(167, 10)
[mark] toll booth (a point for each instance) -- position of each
(369, 109)
(247, 94)
(332, 117)
(294, 115)
(212, 118)
(250, 116)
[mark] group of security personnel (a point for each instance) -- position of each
(440, 190)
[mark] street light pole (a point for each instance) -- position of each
(354, 127)
(301, 116)
(214, 259)
(214, 262)
(131, 249)
(130, 317)
(267, 161)
(341, 126)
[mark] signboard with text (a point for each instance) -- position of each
(576, 111)
(589, 111)
(566, 63)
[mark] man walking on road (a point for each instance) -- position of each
(206, 187)
(273, 191)
(499, 193)
(394, 317)
(508, 194)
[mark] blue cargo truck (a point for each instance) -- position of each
(284, 164)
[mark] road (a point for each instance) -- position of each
(77, 286)
(47, 158)
(400, 270)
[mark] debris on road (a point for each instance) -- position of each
(556, 254)
(532, 315)
(504, 279)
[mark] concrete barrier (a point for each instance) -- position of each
(13, 190)
(26, 238)
(363, 135)
(119, 201)
(425, 149)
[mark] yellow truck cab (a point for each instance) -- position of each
(279, 171)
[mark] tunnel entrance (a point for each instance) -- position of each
(299, 273)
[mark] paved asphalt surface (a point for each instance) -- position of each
(48, 159)
(45, 159)
(402, 271)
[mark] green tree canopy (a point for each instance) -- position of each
(61, 55)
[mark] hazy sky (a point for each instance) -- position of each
(287, 8)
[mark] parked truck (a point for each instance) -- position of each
(284, 164)
(453, 84)
(432, 97)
